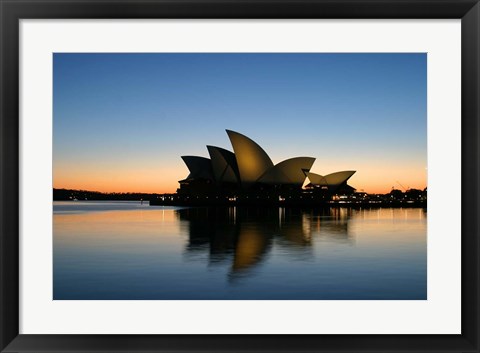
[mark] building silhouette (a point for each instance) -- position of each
(248, 170)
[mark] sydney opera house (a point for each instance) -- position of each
(248, 171)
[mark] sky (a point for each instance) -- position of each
(121, 122)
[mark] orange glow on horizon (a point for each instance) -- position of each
(376, 177)
(120, 180)
(133, 183)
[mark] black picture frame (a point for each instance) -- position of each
(12, 11)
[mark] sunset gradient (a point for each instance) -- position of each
(122, 121)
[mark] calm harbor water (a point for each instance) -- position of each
(126, 250)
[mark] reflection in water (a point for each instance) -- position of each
(244, 236)
(251, 246)
(131, 251)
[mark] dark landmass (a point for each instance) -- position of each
(73, 195)
(294, 200)
(396, 198)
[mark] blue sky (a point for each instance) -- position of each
(122, 121)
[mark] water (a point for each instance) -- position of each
(125, 250)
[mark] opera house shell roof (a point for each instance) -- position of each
(250, 165)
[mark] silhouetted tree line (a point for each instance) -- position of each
(70, 195)
(410, 194)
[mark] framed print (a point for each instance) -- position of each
(234, 176)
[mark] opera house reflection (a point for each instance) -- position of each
(126, 250)
(242, 238)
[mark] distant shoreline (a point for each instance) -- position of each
(292, 203)
(82, 195)
(370, 201)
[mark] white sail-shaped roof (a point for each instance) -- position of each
(252, 160)
(333, 179)
(316, 179)
(199, 167)
(224, 165)
(289, 171)
(339, 177)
